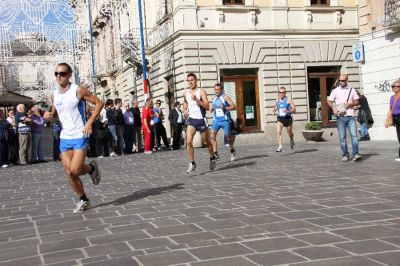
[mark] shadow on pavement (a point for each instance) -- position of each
(252, 157)
(141, 194)
(302, 151)
(229, 166)
(366, 156)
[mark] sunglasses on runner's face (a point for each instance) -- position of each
(282, 92)
(343, 80)
(61, 74)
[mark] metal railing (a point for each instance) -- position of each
(392, 13)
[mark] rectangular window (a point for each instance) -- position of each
(320, 2)
(233, 2)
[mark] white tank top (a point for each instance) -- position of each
(71, 112)
(194, 109)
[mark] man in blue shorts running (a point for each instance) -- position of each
(221, 106)
(69, 101)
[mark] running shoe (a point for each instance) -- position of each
(292, 143)
(113, 154)
(148, 152)
(233, 156)
(357, 157)
(95, 175)
(82, 206)
(4, 166)
(279, 148)
(192, 167)
(216, 156)
(213, 163)
(345, 159)
(397, 159)
(227, 145)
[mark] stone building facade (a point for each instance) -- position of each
(380, 35)
(253, 46)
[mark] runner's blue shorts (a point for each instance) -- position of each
(73, 144)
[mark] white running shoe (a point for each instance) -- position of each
(4, 166)
(397, 159)
(233, 156)
(113, 154)
(148, 152)
(95, 176)
(345, 159)
(292, 143)
(192, 167)
(227, 145)
(357, 157)
(82, 206)
(279, 149)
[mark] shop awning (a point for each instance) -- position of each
(12, 99)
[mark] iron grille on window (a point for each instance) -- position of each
(320, 2)
(233, 2)
(392, 12)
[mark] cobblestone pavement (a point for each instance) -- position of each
(298, 208)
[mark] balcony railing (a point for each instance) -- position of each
(392, 13)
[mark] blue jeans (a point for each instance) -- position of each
(364, 130)
(37, 147)
(113, 142)
(343, 123)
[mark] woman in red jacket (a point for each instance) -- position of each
(146, 127)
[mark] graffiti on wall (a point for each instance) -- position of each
(383, 86)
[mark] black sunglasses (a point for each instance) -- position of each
(62, 74)
(343, 80)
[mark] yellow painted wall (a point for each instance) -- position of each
(263, 3)
(348, 2)
(295, 3)
(206, 2)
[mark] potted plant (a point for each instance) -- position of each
(312, 131)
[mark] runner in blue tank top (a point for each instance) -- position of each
(68, 101)
(221, 105)
(284, 108)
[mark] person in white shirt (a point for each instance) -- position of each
(69, 101)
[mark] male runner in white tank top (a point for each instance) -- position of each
(69, 102)
(195, 105)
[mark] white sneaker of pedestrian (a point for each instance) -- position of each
(192, 167)
(345, 159)
(148, 152)
(279, 149)
(397, 159)
(95, 176)
(82, 206)
(357, 157)
(4, 166)
(113, 154)
(233, 156)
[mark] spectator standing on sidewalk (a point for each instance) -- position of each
(128, 128)
(23, 123)
(112, 126)
(4, 129)
(161, 133)
(364, 117)
(119, 120)
(56, 131)
(394, 111)
(137, 127)
(12, 139)
(176, 119)
(345, 99)
(37, 130)
(146, 118)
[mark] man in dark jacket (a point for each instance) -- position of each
(176, 119)
(4, 127)
(119, 120)
(137, 127)
(364, 117)
(111, 126)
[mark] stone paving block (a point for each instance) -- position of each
(150, 243)
(300, 215)
(98, 250)
(118, 237)
(93, 259)
(130, 227)
(236, 261)
(366, 246)
(260, 219)
(17, 234)
(367, 217)
(375, 207)
(329, 221)
(63, 245)
(18, 253)
(320, 238)
(221, 224)
(62, 256)
(174, 230)
(387, 258)
(166, 258)
(275, 258)
(195, 237)
(367, 232)
(219, 251)
(240, 231)
(29, 261)
(273, 244)
(19, 243)
(325, 252)
(114, 262)
(347, 261)
(334, 211)
(73, 235)
(392, 240)
(287, 226)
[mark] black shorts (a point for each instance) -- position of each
(286, 121)
(199, 124)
